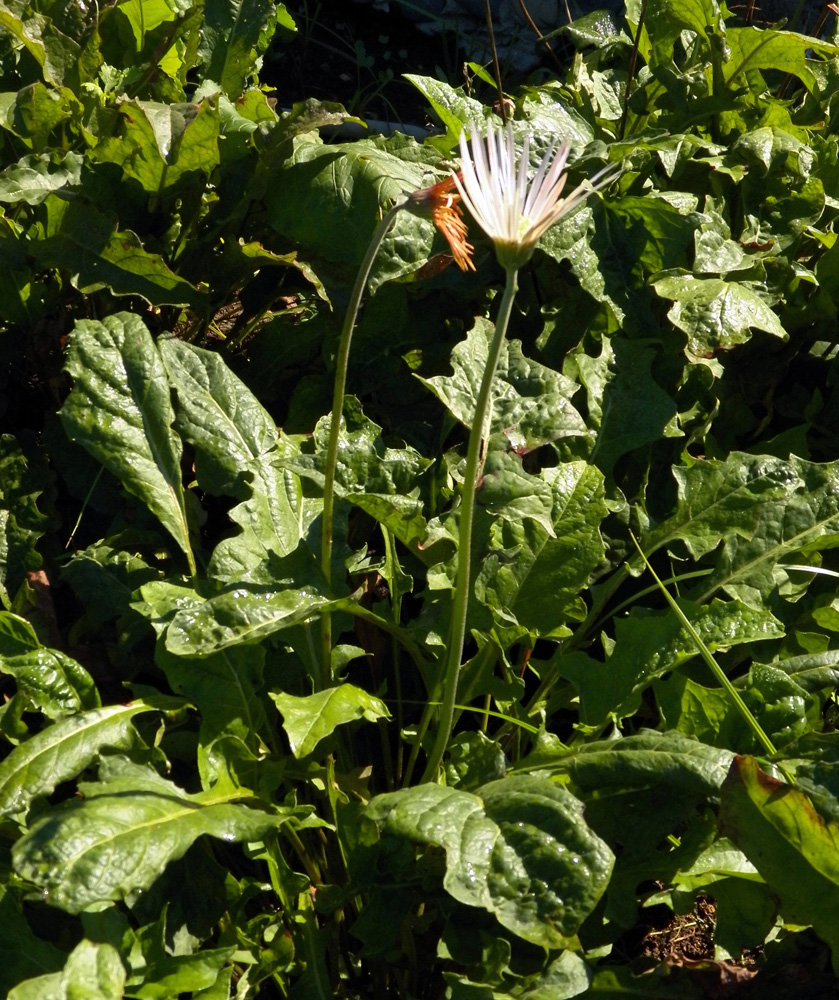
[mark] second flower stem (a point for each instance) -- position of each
(341, 364)
(460, 605)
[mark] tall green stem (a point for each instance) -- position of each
(341, 363)
(464, 542)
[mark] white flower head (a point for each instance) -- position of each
(513, 211)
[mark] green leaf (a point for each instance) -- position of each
(534, 576)
(627, 407)
(791, 845)
(31, 178)
(531, 404)
(124, 831)
(765, 508)
(451, 106)
(343, 188)
(93, 971)
(238, 451)
(636, 761)
(365, 463)
(168, 976)
(120, 411)
(163, 144)
(233, 35)
(520, 849)
(242, 615)
(60, 752)
(51, 681)
(84, 243)
(225, 687)
(26, 954)
(716, 314)
(649, 645)
(22, 481)
(310, 719)
(751, 48)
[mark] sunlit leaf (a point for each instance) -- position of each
(124, 831)
(312, 718)
(118, 373)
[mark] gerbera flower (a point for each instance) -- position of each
(442, 202)
(511, 210)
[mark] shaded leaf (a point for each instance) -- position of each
(93, 971)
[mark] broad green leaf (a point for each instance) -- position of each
(660, 231)
(120, 411)
(86, 244)
(16, 635)
(519, 849)
(25, 954)
(173, 975)
(238, 450)
(751, 48)
(649, 645)
(234, 34)
(124, 831)
(105, 576)
(93, 971)
(567, 976)
(51, 681)
(635, 762)
(779, 704)
(804, 516)
(52, 50)
(451, 106)
(61, 751)
(533, 576)
(312, 718)
(246, 614)
(627, 407)
(22, 481)
(716, 314)
(34, 177)
(765, 507)
(163, 144)
(794, 848)
(365, 463)
(225, 688)
(531, 404)
(606, 260)
(343, 188)
(145, 15)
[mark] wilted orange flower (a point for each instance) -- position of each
(443, 204)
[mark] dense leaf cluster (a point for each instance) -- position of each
(192, 803)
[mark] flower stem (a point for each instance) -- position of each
(454, 654)
(341, 364)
